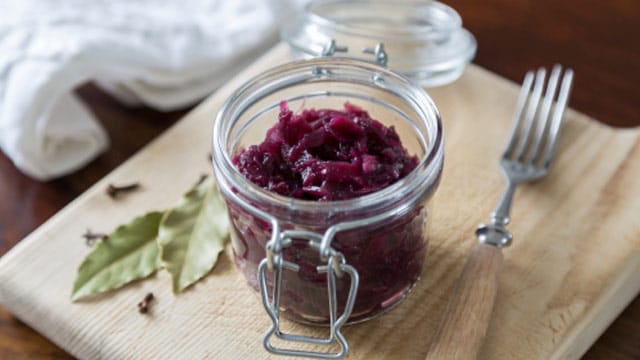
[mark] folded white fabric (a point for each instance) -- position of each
(165, 54)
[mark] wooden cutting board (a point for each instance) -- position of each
(573, 266)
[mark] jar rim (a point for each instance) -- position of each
(423, 177)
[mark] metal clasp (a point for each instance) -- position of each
(381, 57)
(336, 266)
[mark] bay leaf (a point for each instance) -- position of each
(192, 234)
(129, 253)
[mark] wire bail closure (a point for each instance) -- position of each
(336, 266)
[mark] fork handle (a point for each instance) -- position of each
(464, 325)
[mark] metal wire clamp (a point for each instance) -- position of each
(335, 267)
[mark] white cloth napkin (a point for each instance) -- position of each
(164, 54)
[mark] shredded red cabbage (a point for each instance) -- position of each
(326, 155)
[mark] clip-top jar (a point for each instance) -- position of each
(335, 261)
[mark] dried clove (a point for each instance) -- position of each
(90, 237)
(143, 306)
(114, 191)
(202, 178)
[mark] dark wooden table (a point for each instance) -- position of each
(599, 39)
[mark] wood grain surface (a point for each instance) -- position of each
(596, 38)
(565, 279)
(466, 318)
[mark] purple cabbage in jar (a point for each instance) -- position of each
(329, 155)
(326, 155)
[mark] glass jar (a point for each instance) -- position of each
(336, 261)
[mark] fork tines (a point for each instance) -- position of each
(538, 116)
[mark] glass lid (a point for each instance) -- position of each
(423, 40)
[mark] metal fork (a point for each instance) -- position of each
(527, 157)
